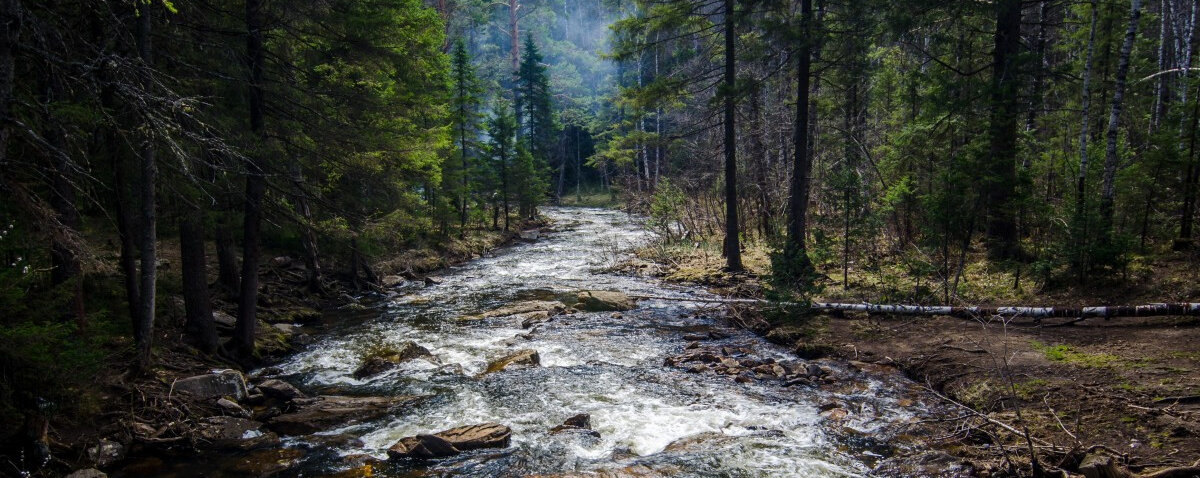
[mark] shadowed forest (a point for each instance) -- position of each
(191, 185)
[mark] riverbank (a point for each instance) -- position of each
(113, 415)
(1126, 391)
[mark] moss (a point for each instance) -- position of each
(1066, 354)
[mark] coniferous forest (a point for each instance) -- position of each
(314, 195)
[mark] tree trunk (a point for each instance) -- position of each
(1080, 226)
(256, 185)
(149, 170)
(732, 249)
(1000, 186)
(797, 228)
(227, 261)
(199, 324)
(1107, 192)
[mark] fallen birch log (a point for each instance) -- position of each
(1147, 310)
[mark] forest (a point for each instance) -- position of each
(163, 161)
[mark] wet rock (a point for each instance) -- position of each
(692, 346)
(432, 281)
(106, 453)
(698, 368)
(341, 440)
(392, 281)
(320, 413)
(279, 389)
(231, 407)
(226, 383)
(287, 329)
(452, 442)
(520, 358)
(550, 307)
(87, 473)
(389, 359)
(233, 433)
(422, 447)
(814, 370)
(529, 319)
(603, 301)
(696, 337)
(269, 462)
(224, 320)
(531, 235)
(581, 422)
(702, 440)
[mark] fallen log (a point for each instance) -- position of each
(1107, 311)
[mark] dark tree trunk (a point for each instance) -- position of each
(732, 247)
(797, 227)
(227, 260)
(1002, 238)
(199, 324)
(256, 185)
(149, 220)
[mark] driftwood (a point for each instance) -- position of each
(1147, 310)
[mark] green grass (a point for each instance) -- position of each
(1066, 354)
(591, 198)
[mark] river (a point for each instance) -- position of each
(653, 419)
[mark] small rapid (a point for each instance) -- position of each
(652, 419)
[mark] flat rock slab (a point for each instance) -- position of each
(603, 301)
(321, 413)
(280, 389)
(226, 383)
(550, 307)
(452, 442)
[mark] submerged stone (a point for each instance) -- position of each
(520, 358)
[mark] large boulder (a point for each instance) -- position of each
(233, 433)
(603, 301)
(225, 383)
(280, 390)
(520, 358)
(452, 442)
(320, 413)
(387, 359)
(550, 307)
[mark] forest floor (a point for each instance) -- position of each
(113, 414)
(1126, 388)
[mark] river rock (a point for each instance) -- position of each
(392, 281)
(387, 360)
(224, 320)
(279, 389)
(452, 442)
(106, 453)
(231, 407)
(550, 307)
(233, 433)
(225, 383)
(267, 463)
(581, 422)
(603, 301)
(320, 413)
(87, 473)
(520, 358)
(530, 319)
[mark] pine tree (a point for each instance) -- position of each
(465, 103)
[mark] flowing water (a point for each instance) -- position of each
(650, 417)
